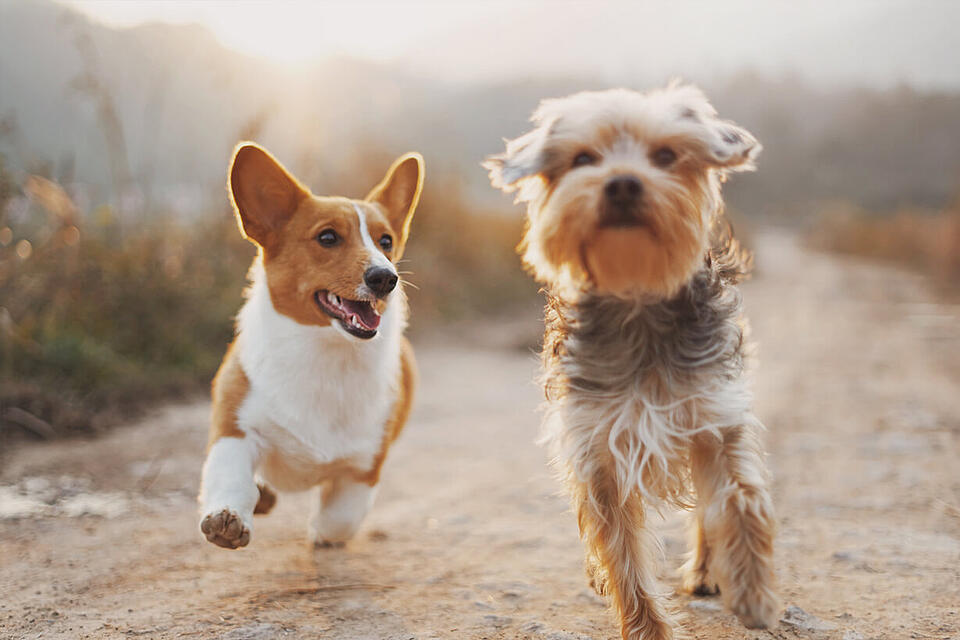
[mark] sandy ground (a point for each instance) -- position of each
(858, 384)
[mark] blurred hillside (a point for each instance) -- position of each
(153, 111)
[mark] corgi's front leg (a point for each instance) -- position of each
(229, 492)
(340, 508)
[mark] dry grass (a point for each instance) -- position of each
(928, 241)
(96, 320)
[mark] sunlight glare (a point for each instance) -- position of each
(291, 31)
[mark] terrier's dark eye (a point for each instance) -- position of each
(386, 242)
(584, 158)
(328, 238)
(663, 157)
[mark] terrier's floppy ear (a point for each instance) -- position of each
(399, 193)
(525, 157)
(263, 192)
(719, 143)
(730, 146)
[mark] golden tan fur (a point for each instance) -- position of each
(620, 563)
(229, 388)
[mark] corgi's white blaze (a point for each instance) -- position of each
(377, 259)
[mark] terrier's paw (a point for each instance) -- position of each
(642, 627)
(697, 582)
(329, 544)
(759, 611)
(597, 576)
(225, 529)
(703, 589)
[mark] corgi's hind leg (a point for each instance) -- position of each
(340, 507)
(267, 499)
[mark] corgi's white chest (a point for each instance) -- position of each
(316, 398)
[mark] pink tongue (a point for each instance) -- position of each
(364, 312)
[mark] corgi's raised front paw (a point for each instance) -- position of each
(225, 529)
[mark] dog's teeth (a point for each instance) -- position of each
(331, 298)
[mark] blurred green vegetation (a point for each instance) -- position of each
(101, 316)
(97, 318)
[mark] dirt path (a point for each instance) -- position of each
(470, 539)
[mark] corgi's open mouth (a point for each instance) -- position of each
(359, 318)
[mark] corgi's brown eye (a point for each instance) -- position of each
(386, 242)
(663, 157)
(328, 238)
(584, 158)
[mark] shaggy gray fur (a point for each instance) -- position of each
(616, 342)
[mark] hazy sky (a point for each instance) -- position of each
(873, 42)
(296, 30)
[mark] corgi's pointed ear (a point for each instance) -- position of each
(263, 192)
(399, 192)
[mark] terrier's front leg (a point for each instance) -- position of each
(619, 556)
(738, 523)
(695, 572)
(229, 493)
(341, 506)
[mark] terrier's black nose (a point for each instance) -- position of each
(380, 280)
(623, 190)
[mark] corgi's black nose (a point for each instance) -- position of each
(380, 280)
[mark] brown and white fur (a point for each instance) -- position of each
(644, 348)
(319, 380)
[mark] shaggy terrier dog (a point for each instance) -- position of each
(644, 347)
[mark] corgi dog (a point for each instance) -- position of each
(319, 380)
